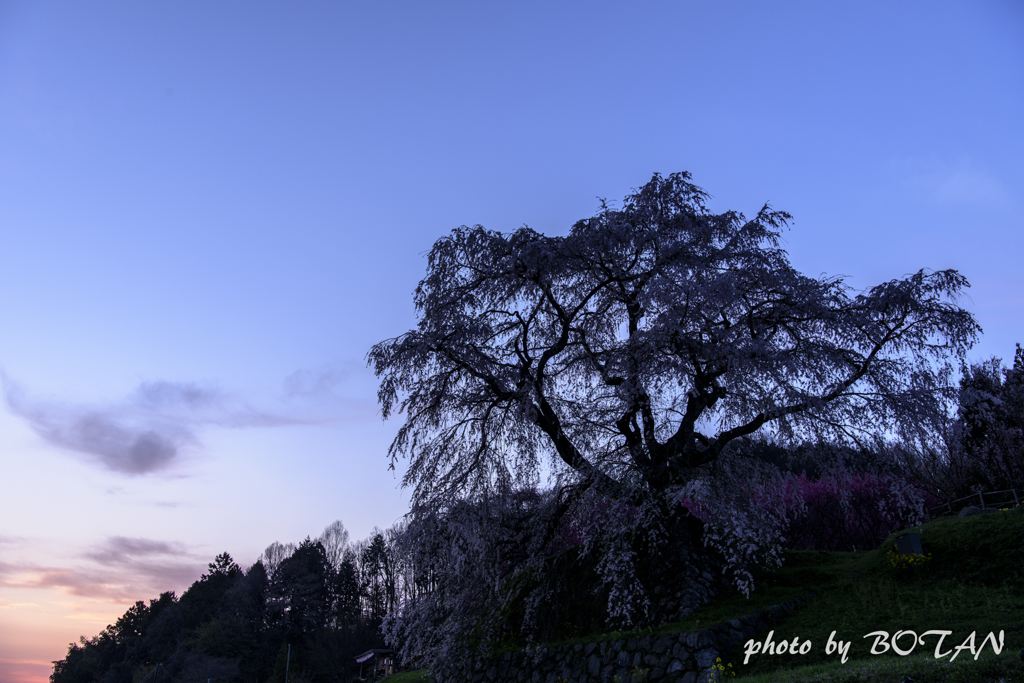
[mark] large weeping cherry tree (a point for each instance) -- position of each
(643, 343)
(642, 347)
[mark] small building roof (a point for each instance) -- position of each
(370, 653)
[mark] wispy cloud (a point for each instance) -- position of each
(187, 402)
(118, 569)
(318, 382)
(120, 549)
(150, 429)
(144, 433)
(6, 569)
(944, 182)
(967, 185)
(322, 382)
(338, 392)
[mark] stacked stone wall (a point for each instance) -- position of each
(669, 658)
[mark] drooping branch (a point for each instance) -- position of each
(642, 344)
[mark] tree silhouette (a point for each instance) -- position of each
(633, 358)
(636, 349)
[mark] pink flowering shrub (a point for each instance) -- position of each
(839, 511)
(844, 510)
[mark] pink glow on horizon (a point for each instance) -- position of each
(25, 671)
(38, 623)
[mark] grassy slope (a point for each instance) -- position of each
(973, 582)
(416, 676)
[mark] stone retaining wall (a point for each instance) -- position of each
(670, 658)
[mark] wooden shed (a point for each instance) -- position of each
(375, 663)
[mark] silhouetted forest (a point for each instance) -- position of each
(236, 624)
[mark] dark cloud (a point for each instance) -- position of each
(117, 441)
(123, 449)
(145, 433)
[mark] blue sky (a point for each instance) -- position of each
(210, 211)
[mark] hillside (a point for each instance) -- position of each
(972, 581)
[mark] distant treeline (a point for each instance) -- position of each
(325, 598)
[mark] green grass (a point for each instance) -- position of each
(974, 581)
(921, 668)
(415, 676)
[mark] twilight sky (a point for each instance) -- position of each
(210, 211)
